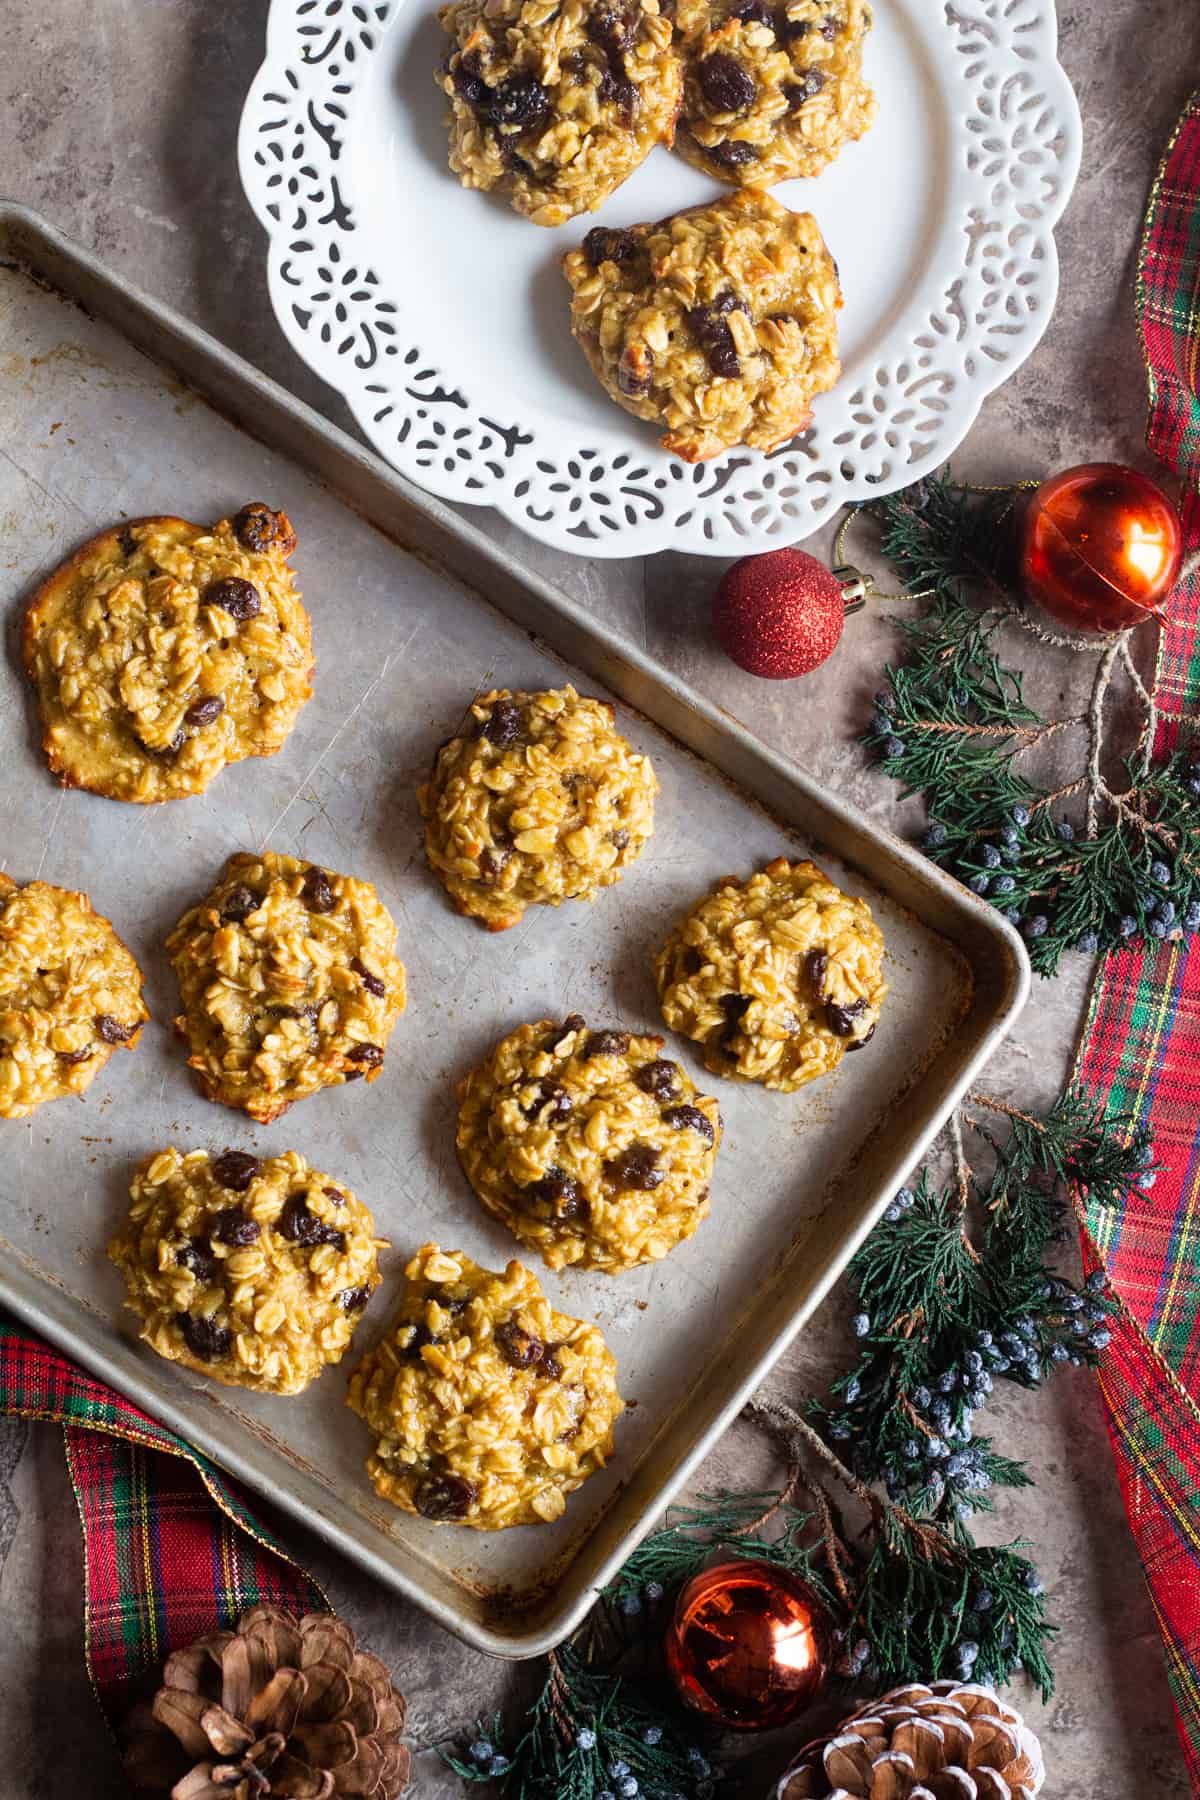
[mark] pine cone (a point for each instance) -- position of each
(950, 1741)
(277, 1708)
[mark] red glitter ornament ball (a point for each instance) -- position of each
(748, 1644)
(1101, 547)
(779, 615)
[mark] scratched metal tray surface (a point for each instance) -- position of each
(112, 406)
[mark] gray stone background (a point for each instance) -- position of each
(118, 120)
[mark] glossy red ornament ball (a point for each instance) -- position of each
(748, 1645)
(780, 614)
(1101, 547)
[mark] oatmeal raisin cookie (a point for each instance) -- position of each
(70, 994)
(540, 800)
(771, 90)
(487, 1407)
(719, 323)
(589, 1145)
(555, 105)
(253, 1271)
(289, 982)
(778, 977)
(162, 651)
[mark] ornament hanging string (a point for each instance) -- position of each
(1114, 646)
(869, 591)
(954, 724)
(1100, 544)
(864, 587)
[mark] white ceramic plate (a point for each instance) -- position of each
(441, 315)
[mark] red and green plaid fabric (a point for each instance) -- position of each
(171, 1549)
(1140, 1051)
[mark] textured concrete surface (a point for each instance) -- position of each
(118, 120)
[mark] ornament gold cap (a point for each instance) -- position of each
(857, 587)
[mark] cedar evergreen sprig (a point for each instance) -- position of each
(679, 1549)
(954, 1293)
(966, 1611)
(590, 1733)
(954, 725)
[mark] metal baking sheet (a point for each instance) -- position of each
(111, 406)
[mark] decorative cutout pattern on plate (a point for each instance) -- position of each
(984, 299)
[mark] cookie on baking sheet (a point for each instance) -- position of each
(771, 90)
(718, 324)
(254, 1271)
(778, 976)
(161, 651)
(589, 1145)
(289, 982)
(70, 994)
(487, 1407)
(554, 106)
(539, 800)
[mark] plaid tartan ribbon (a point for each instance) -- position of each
(1140, 1049)
(171, 1549)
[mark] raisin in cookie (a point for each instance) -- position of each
(487, 1407)
(719, 323)
(162, 651)
(289, 982)
(771, 90)
(778, 976)
(588, 1145)
(70, 993)
(252, 1271)
(540, 800)
(555, 107)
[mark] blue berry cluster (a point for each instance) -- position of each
(701, 1769)
(616, 1773)
(632, 1602)
(884, 726)
(1079, 1321)
(940, 1457)
(624, 1782)
(999, 867)
(979, 1621)
(855, 1661)
(973, 1624)
(490, 1761)
(903, 1202)
(1160, 906)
